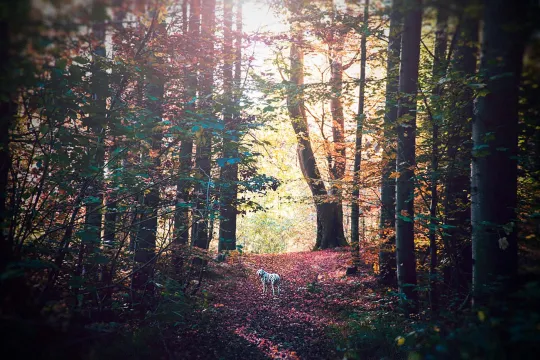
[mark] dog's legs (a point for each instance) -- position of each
(264, 286)
(273, 292)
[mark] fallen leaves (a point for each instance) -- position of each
(295, 324)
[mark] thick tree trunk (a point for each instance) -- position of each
(329, 214)
(387, 261)
(457, 204)
(181, 218)
(439, 70)
(406, 160)
(146, 245)
(203, 154)
(355, 203)
(229, 173)
(337, 157)
(149, 220)
(494, 162)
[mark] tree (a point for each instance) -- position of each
(200, 236)
(494, 162)
(148, 228)
(229, 171)
(329, 213)
(181, 220)
(97, 126)
(439, 70)
(458, 125)
(355, 205)
(11, 24)
(405, 157)
(112, 204)
(388, 183)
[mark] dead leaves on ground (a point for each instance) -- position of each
(315, 297)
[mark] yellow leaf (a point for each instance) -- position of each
(400, 340)
(481, 316)
(394, 175)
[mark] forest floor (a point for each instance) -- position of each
(237, 321)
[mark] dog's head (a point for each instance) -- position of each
(260, 272)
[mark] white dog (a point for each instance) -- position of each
(267, 278)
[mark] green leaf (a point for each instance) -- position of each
(91, 200)
(482, 92)
(87, 236)
(61, 63)
(480, 147)
(81, 60)
(404, 218)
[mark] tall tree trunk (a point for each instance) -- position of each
(97, 127)
(112, 215)
(457, 188)
(204, 141)
(147, 235)
(355, 204)
(439, 70)
(329, 229)
(229, 172)
(406, 160)
(387, 224)
(8, 111)
(181, 219)
(494, 162)
(111, 211)
(338, 155)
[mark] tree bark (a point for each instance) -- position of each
(111, 212)
(355, 204)
(200, 236)
(406, 160)
(329, 214)
(439, 70)
(387, 223)
(229, 172)
(96, 127)
(183, 186)
(457, 188)
(147, 235)
(494, 162)
(329, 228)
(337, 156)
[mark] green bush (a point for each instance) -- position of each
(371, 335)
(508, 328)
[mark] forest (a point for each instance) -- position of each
(270, 179)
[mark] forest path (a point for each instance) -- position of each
(242, 323)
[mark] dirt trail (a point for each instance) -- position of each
(242, 323)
